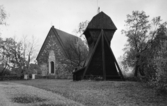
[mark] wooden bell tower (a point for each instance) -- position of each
(101, 62)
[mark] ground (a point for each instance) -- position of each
(12, 94)
(93, 93)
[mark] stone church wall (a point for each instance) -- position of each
(60, 64)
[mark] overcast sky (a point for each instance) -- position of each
(35, 17)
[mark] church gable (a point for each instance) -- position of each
(53, 58)
(51, 43)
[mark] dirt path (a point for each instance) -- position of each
(12, 94)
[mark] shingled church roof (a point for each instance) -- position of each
(65, 37)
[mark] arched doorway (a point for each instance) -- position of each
(52, 67)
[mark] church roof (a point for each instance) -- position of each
(65, 37)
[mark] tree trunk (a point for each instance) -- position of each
(138, 68)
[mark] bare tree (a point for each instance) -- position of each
(28, 52)
(2, 15)
(2, 60)
(29, 49)
(80, 30)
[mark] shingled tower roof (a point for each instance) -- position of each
(101, 21)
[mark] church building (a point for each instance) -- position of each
(52, 57)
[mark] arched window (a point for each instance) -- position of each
(52, 67)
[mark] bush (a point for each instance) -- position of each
(161, 88)
(160, 63)
(11, 77)
(161, 82)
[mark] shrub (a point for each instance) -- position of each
(11, 77)
(160, 62)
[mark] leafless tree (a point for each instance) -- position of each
(2, 15)
(29, 49)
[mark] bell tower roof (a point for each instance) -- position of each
(101, 21)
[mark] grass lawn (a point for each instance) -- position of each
(102, 93)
